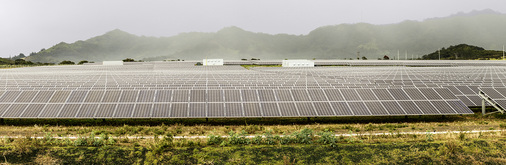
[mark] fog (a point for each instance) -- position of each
(30, 25)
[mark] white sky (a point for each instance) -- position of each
(30, 25)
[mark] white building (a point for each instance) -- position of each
(112, 63)
(212, 62)
(297, 63)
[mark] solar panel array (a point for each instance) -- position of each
(180, 89)
(497, 95)
(228, 103)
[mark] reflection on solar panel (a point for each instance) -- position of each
(182, 90)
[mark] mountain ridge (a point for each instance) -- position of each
(328, 42)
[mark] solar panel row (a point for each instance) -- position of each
(230, 103)
(127, 96)
(210, 110)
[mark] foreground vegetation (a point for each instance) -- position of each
(256, 141)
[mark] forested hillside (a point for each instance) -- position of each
(483, 28)
(464, 52)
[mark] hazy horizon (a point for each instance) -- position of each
(29, 26)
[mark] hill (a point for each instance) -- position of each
(329, 42)
(464, 52)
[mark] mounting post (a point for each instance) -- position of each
(483, 107)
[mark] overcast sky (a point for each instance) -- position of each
(29, 25)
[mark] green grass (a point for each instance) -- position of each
(305, 141)
(473, 151)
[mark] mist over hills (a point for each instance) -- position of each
(481, 28)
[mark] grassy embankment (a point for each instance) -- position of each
(304, 141)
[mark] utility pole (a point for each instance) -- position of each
(398, 58)
(439, 54)
(358, 55)
(406, 58)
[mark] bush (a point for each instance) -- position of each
(327, 137)
(82, 62)
(214, 140)
(128, 60)
(65, 62)
(303, 136)
(257, 139)
(238, 138)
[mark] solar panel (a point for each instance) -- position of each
(393, 108)
(142, 110)
(26, 96)
(252, 109)
(410, 108)
(163, 96)
(414, 94)
(146, 96)
(305, 109)
(323, 109)
(232, 96)
(86, 111)
(443, 107)
(399, 94)
(270, 109)
(161, 110)
(376, 108)
(426, 107)
(216, 109)
(334, 94)
(288, 109)
(50, 111)
(111, 96)
(317, 95)
(283, 95)
(430, 93)
(69, 110)
(14, 110)
(105, 110)
(341, 108)
(249, 96)
(382, 94)
(9, 96)
(366, 94)
(33, 110)
(233, 110)
(215, 95)
(179, 110)
(42, 96)
(359, 109)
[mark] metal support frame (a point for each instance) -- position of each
(489, 100)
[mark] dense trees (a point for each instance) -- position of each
(463, 52)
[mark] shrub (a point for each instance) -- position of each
(257, 139)
(303, 136)
(327, 137)
(269, 139)
(80, 141)
(82, 62)
(238, 138)
(128, 60)
(214, 140)
(66, 62)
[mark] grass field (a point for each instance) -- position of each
(275, 141)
